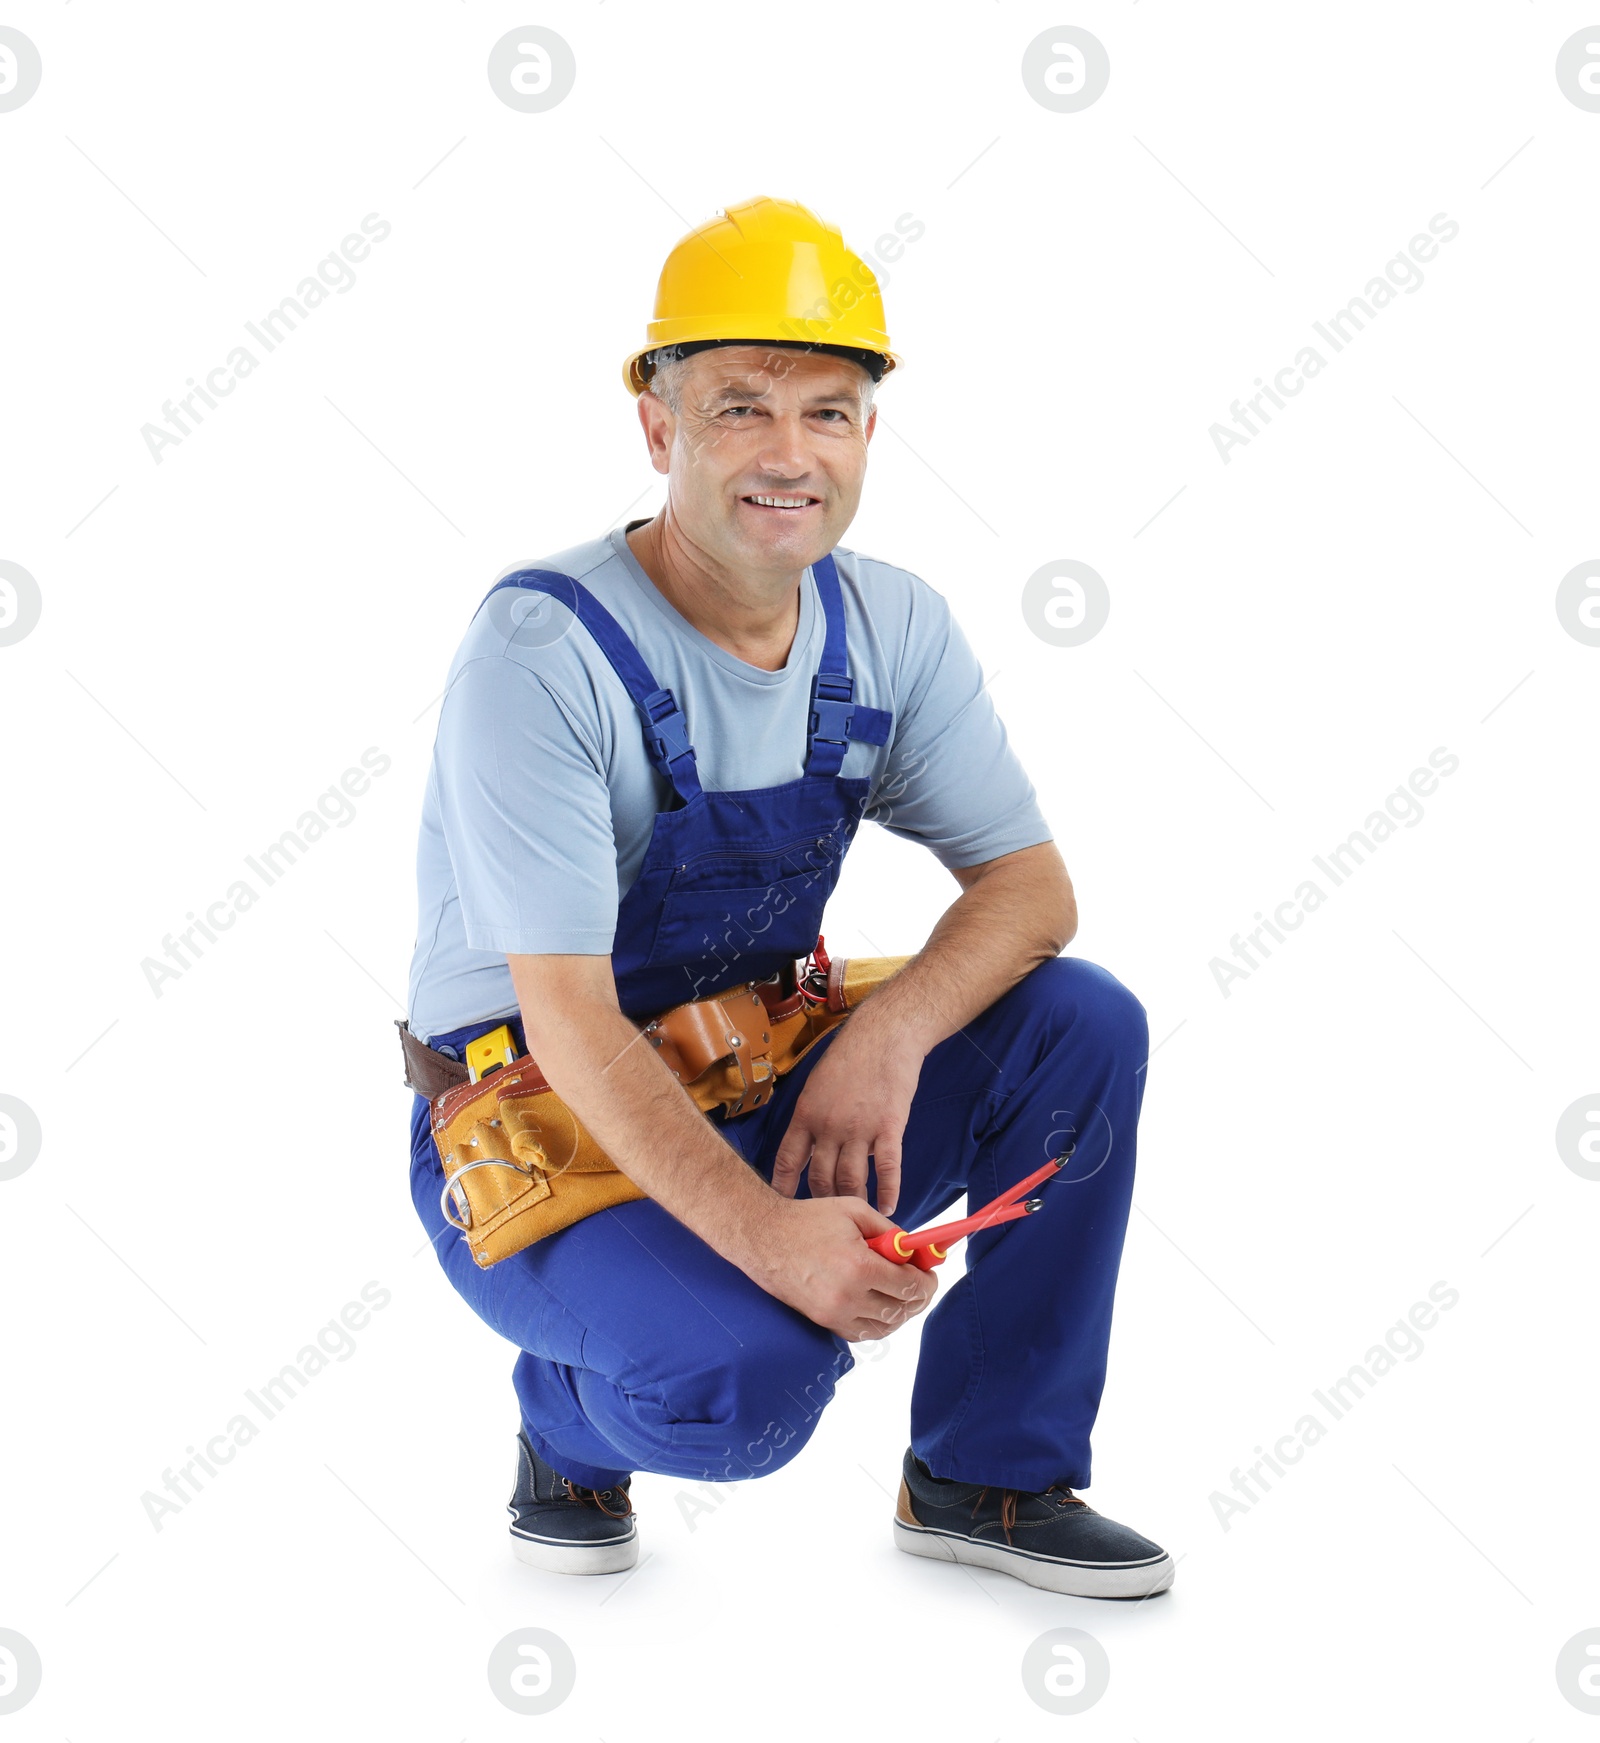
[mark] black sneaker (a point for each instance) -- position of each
(564, 1528)
(1051, 1539)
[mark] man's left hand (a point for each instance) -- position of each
(855, 1104)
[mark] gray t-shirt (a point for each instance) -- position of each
(541, 797)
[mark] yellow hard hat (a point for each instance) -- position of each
(765, 270)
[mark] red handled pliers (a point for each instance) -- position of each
(928, 1247)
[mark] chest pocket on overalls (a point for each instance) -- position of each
(736, 900)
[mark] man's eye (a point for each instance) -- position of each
(829, 413)
(737, 411)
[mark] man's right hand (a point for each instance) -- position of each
(813, 1254)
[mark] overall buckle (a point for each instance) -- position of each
(668, 733)
(831, 707)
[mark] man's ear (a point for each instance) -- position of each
(658, 424)
(872, 422)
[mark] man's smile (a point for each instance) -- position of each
(782, 504)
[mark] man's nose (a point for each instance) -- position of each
(784, 453)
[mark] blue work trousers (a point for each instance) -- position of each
(642, 1348)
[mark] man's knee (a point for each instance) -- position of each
(771, 1397)
(1081, 992)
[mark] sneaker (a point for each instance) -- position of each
(564, 1528)
(1050, 1539)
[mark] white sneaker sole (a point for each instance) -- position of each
(576, 1558)
(1077, 1579)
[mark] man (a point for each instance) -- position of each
(630, 766)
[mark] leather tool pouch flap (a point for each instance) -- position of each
(720, 1050)
(518, 1165)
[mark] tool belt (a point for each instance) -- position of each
(518, 1163)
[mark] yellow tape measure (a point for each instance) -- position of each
(491, 1052)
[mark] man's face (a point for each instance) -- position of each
(767, 456)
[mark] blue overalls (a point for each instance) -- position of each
(642, 1347)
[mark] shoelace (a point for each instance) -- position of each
(1008, 1503)
(598, 1498)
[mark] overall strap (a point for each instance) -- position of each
(666, 733)
(836, 718)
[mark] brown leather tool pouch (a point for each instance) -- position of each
(518, 1164)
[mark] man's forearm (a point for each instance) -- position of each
(1019, 913)
(638, 1113)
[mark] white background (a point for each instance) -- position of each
(1290, 635)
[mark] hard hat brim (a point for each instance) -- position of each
(634, 379)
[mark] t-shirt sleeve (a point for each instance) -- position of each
(952, 781)
(526, 813)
